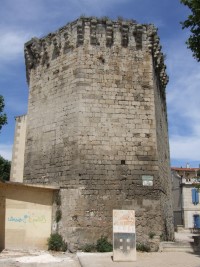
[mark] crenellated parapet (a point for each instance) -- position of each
(156, 49)
(124, 34)
(103, 32)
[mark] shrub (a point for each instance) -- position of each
(56, 243)
(103, 245)
(142, 247)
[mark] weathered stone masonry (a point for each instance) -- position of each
(97, 122)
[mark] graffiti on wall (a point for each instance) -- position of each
(31, 218)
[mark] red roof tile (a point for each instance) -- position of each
(184, 169)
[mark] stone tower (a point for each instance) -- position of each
(97, 126)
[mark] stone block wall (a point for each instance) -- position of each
(164, 172)
(17, 166)
(97, 124)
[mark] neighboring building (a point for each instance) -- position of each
(97, 127)
(25, 210)
(17, 167)
(177, 198)
(186, 197)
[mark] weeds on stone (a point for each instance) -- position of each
(102, 245)
(58, 215)
(142, 247)
(89, 248)
(151, 235)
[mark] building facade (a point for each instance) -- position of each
(17, 167)
(186, 195)
(97, 126)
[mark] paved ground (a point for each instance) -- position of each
(43, 258)
(185, 236)
(157, 259)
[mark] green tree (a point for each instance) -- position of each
(5, 166)
(193, 23)
(3, 117)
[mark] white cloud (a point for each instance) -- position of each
(6, 151)
(185, 148)
(12, 44)
(186, 94)
(183, 97)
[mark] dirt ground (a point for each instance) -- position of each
(20, 258)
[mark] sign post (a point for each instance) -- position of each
(124, 238)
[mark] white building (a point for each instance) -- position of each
(186, 197)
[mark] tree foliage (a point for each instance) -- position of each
(5, 166)
(3, 117)
(193, 23)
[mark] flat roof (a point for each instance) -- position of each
(42, 186)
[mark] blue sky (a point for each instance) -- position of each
(20, 20)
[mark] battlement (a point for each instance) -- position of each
(104, 33)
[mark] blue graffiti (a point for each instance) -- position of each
(32, 218)
(18, 219)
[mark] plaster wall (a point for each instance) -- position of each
(2, 222)
(189, 208)
(28, 216)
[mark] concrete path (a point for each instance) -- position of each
(185, 237)
(156, 259)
